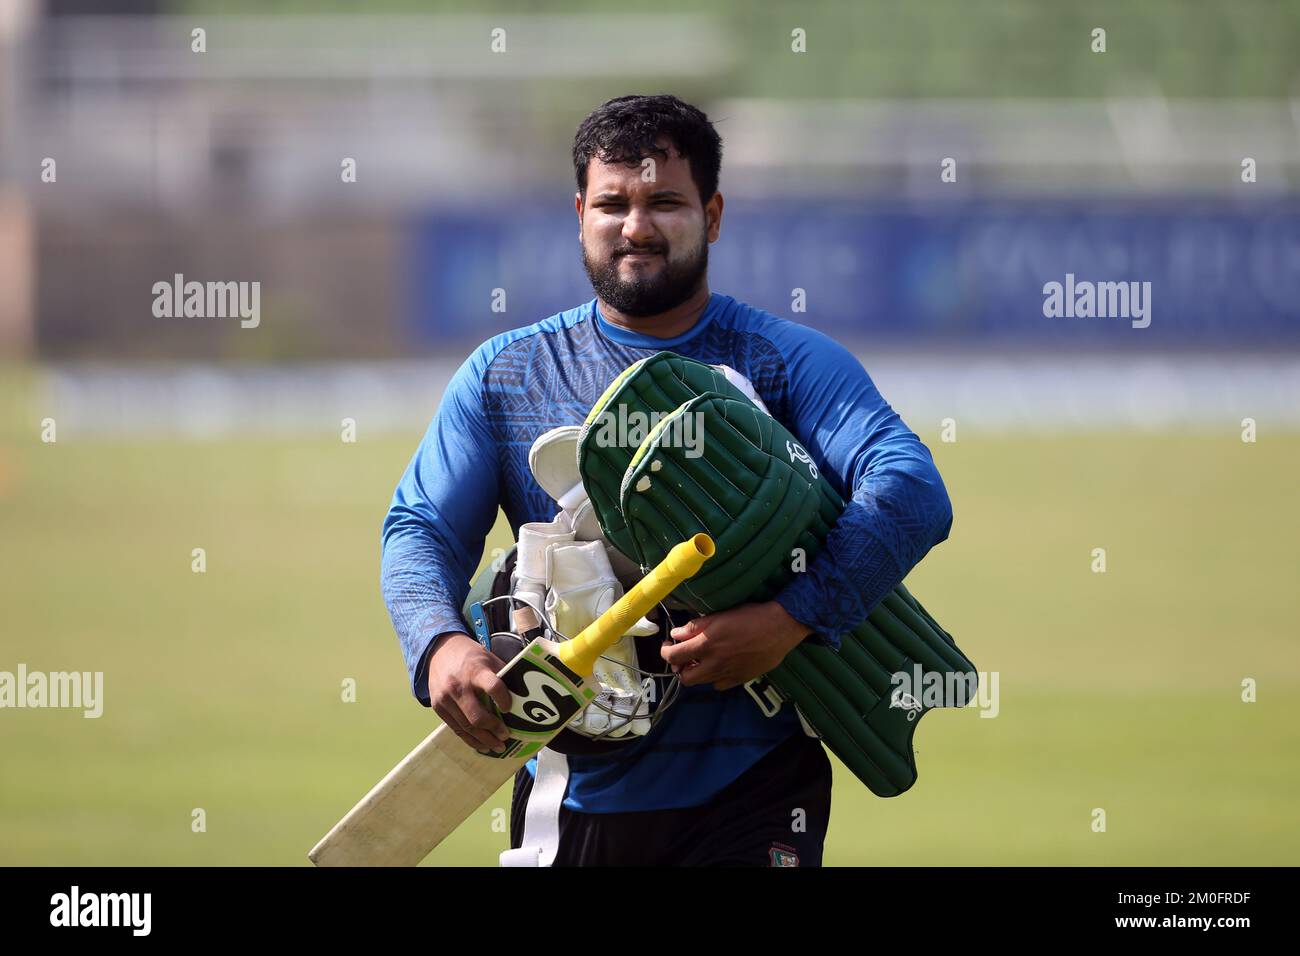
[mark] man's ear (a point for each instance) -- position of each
(713, 216)
(577, 207)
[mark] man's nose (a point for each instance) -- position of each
(638, 230)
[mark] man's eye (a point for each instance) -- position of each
(666, 202)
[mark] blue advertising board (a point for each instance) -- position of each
(1209, 274)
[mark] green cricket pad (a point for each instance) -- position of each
(673, 448)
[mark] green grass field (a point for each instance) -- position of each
(1119, 691)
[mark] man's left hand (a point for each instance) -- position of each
(734, 646)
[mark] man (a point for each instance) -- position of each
(716, 781)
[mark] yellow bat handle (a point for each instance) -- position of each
(682, 562)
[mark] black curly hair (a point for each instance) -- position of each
(626, 129)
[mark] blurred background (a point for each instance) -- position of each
(126, 157)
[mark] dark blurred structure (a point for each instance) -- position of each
(227, 165)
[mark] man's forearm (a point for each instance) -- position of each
(420, 605)
(867, 553)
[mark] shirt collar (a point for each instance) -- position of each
(640, 340)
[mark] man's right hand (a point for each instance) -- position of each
(460, 669)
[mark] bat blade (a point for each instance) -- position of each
(440, 783)
(421, 800)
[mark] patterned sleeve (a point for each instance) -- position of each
(898, 508)
(440, 516)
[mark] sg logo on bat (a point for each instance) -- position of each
(544, 696)
(538, 703)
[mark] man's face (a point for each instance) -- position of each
(645, 235)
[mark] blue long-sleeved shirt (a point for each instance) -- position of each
(517, 385)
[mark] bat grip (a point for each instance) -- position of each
(681, 563)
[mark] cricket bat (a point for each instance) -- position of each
(442, 781)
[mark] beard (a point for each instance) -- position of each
(650, 291)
